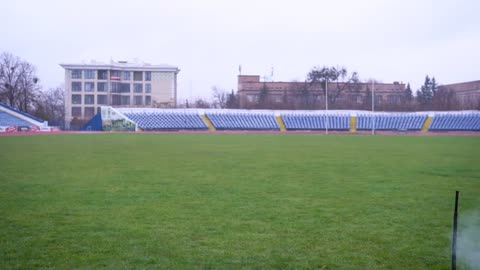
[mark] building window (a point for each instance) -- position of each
(89, 74)
(148, 100)
(138, 100)
(124, 88)
(252, 98)
(76, 86)
(116, 100)
(89, 112)
(102, 75)
(137, 88)
(115, 87)
(148, 75)
(102, 87)
(76, 74)
(137, 75)
(120, 87)
(115, 75)
(102, 99)
(89, 99)
(126, 75)
(125, 100)
(393, 99)
(76, 99)
(148, 88)
(89, 86)
(76, 111)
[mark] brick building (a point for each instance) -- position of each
(468, 93)
(303, 95)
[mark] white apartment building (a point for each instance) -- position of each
(118, 84)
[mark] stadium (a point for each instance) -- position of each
(238, 189)
(150, 119)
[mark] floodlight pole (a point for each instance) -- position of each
(454, 238)
(326, 106)
(373, 107)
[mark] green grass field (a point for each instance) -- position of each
(200, 201)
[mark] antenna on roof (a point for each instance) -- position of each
(271, 74)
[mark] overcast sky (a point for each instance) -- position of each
(398, 40)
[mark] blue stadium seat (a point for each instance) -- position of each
(157, 120)
(10, 120)
(456, 121)
(314, 121)
(243, 120)
(391, 121)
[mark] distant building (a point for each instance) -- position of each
(123, 84)
(291, 95)
(468, 93)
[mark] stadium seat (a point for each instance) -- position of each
(243, 120)
(462, 121)
(10, 120)
(313, 121)
(390, 121)
(157, 120)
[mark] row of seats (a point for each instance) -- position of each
(316, 121)
(10, 120)
(166, 120)
(391, 121)
(470, 121)
(231, 120)
(152, 120)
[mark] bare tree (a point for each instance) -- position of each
(306, 95)
(18, 82)
(220, 98)
(201, 103)
(339, 81)
(50, 105)
(445, 100)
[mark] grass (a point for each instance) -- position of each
(199, 201)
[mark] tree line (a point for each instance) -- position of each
(20, 88)
(345, 91)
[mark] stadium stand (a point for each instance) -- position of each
(245, 120)
(232, 119)
(13, 118)
(465, 121)
(391, 121)
(9, 120)
(312, 121)
(158, 119)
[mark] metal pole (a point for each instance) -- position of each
(454, 238)
(373, 107)
(326, 106)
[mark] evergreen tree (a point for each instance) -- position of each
(408, 93)
(262, 97)
(232, 101)
(433, 86)
(426, 92)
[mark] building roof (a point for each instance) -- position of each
(463, 86)
(121, 65)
